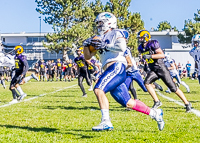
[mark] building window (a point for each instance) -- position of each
(4, 39)
(42, 39)
(35, 39)
(29, 40)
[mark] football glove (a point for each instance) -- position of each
(98, 44)
(88, 42)
(147, 56)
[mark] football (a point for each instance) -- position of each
(92, 48)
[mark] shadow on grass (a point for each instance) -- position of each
(49, 130)
(83, 108)
(42, 129)
(71, 107)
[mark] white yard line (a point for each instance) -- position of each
(25, 100)
(196, 112)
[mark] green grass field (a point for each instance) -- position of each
(64, 116)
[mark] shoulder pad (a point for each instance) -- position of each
(122, 33)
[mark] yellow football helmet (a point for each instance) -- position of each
(19, 49)
(145, 34)
(80, 49)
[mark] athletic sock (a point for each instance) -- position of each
(16, 93)
(19, 89)
(105, 114)
(184, 84)
(141, 107)
(152, 113)
(3, 83)
(26, 79)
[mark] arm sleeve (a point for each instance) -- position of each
(119, 41)
(156, 45)
(118, 46)
(192, 53)
(26, 67)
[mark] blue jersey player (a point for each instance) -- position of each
(133, 73)
(195, 53)
(111, 47)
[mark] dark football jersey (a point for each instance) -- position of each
(59, 65)
(150, 49)
(42, 67)
(81, 62)
(21, 64)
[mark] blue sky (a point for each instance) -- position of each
(20, 15)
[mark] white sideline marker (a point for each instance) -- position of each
(25, 100)
(196, 112)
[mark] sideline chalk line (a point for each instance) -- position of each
(25, 100)
(196, 112)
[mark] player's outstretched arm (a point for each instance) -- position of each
(129, 63)
(159, 54)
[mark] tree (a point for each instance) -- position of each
(71, 20)
(164, 25)
(191, 28)
(126, 20)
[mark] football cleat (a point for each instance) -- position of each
(157, 104)
(22, 96)
(13, 101)
(168, 91)
(158, 87)
(35, 77)
(84, 95)
(188, 107)
(104, 125)
(188, 90)
(159, 118)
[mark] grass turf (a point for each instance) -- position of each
(65, 116)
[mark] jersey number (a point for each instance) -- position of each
(16, 65)
(80, 64)
(150, 61)
(90, 67)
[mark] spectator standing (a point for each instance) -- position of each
(179, 69)
(188, 66)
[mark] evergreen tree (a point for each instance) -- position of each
(164, 25)
(191, 28)
(71, 20)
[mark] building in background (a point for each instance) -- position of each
(34, 49)
(33, 46)
(169, 43)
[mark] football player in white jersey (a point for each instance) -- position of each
(169, 63)
(195, 53)
(111, 48)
